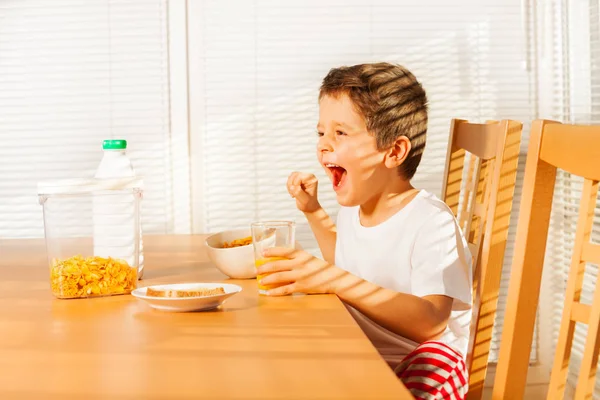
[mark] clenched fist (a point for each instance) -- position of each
(303, 188)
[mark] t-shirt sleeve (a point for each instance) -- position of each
(441, 261)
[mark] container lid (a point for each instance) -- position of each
(82, 186)
(118, 144)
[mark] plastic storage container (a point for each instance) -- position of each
(76, 271)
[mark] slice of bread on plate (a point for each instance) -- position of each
(199, 292)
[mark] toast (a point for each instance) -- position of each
(200, 292)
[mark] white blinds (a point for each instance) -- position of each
(261, 63)
(573, 82)
(72, 73)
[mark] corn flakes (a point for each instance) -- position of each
(238, 242)
(92, 276)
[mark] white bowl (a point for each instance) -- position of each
(235, 262)
(185, 304)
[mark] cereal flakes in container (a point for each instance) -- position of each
(92, 229)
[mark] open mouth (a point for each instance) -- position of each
(338, 175)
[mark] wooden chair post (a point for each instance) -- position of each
(492, 251)
(526, 272)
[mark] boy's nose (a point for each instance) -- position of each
(324, 144)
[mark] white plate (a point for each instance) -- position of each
(183, 304)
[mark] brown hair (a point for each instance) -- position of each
(392, 102)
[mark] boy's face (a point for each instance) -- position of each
(348, 152)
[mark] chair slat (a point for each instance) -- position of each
(591, 253)
(580, 312)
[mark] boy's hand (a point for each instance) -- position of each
(300, 272)
(303, 187)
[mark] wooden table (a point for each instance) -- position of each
(253, 347)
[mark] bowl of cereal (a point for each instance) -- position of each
(232, 253)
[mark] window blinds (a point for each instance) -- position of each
(72, 73)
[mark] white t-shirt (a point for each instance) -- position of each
(419, 250)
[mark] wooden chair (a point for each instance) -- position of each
(480, 193)
(574, 149)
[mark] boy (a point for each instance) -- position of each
(397, 257)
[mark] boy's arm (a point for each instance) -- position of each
(325, 232)
(303, 187)
(416, 318)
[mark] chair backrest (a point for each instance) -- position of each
(479, 183)
(576, 150)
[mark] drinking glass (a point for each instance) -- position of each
(268, 234)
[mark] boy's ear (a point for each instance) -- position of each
(398, 152)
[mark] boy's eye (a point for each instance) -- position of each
(340, 133)
(319, 134)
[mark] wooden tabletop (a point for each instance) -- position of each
(253, 347)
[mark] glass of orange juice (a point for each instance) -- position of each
(269, 234)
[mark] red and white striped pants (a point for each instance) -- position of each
(434, 371)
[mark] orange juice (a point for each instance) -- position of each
(262, 261)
